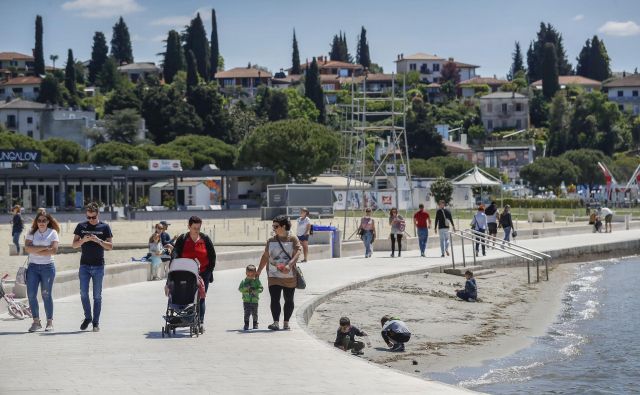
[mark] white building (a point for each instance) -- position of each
(504, 110)
(135, 71)
(430, 67)
(27, 88)
(625, 92)
(16, 63)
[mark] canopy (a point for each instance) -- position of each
(476, 177)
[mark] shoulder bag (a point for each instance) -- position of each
(21, 275)
(300, 282)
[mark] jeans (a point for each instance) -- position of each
(355, 346)
(274, 292)
(155, 265)
(95, 274)
(423, 235)
(16, 240)
(367, 238)
(393, 243)
(444, 239)
(480, 239)
(464, 295)
(507, 233)
(43, 276)
(206, 278)
(250, 309)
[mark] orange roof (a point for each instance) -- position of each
(420, 56)
(243, 72)
(14, 56)
(334, 64)
(23, 81)
(632, 80)
(483, 80)
(573, 80)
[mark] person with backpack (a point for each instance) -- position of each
(442, 228)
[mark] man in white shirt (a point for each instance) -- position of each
(608, 216)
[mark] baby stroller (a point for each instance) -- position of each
(183, 307)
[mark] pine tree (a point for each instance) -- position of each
(70, 74)
(599, 60)
(334, 54)
(550, 84)
(173, 57)
(582, 68)
(196, 42)
(517, 63)
(121, 43)
(38, 52)
(345, 56)
(215, 49)
(362, 54)
(313, 89)
(109, 77)
(192, 70)
(295, 57)
(99, 54)
(546, 34)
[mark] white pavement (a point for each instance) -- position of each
(129, 355)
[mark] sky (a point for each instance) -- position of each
(480, 32)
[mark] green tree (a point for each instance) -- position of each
(550, 84)
(596, 123)
(122, 126)
(173, 57)
(559, 115)
(122, 99)
(362, 54)
(12, 140)
(517, 63)
(422, 168)
(582, 67)
(65, 151)
(539, 110)
(192, 70)
(593, 61)
(118, 154)
(339, 49)
(168, 115)
(313, 89)
(295, 57)
(535, 54)
(215, 48)
(296, 149)
(635, 131)
(38, 52)
(80, 72)
(549, 172)
(70, 74)
(244, 121)
(121, 43)
(50, 91)
(300, 106)
(422, 139)
(99, 55)
(205, 150)
(278, 106)
(166, 152)
(109, 77)
(196, 41)
(208, 104)
(451, 166)
(442, 189)
(586, 162)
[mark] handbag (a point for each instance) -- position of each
(514, 234)
(300, 282)
(21, 275)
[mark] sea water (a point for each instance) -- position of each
(592, 348)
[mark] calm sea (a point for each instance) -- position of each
(592, 348)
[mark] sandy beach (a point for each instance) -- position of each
(447, 332)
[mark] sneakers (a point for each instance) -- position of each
(398, 347)
(96, 328)
(286, 327)
(447, 252)
(255, 325)
(274, 326)
(442, 256)
(393, 255)
(246, 327)
(201, 329)
(49, 327)
(422, 255)
(85, 324)
(354, 352)
(35, 326)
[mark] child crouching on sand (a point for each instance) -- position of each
(470, 291)
(345, 337)
(395, 333)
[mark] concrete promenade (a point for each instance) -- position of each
(129, 355)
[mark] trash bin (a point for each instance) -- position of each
(334, 240)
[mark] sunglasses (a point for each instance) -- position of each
(43, 221)
(90, 218)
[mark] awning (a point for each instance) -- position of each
(476, 177)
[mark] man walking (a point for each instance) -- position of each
(422, 223)
(441, 226)
(93, 237)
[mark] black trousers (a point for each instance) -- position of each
(250, 309)
(275, 291)
(393, 243)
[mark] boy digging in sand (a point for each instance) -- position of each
(345, 337)
(470, 291)
(395, 333)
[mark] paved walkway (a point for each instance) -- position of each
(129, 355)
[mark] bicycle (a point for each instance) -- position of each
(18, 310)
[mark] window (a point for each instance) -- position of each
(227, 82)
(634, 94)
(505, 108)
(30, 133)
(29, 120)
(490, 124)
(36, 89)
(1, 91)
(11, 121)
(504, 124)
(412, 67)
(489, 107)
(518, 107)
(620, 107)
(518, 124)
(620, 93)
(17, 90)
(424, 69)
(328, 87)
(436, 67)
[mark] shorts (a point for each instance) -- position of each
(303, 238)
(493, 228)
(608, 218)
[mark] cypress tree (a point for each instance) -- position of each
(334, 54)
(582, 68)
(38, 53)
(313, 89)
(546, 34)
(215, 49)
(362, 54)
(517, 63)
(173, 57)
(109, 78)
(99, 54)
(121, 43)
(295, 56)
(196, 41)
(344, 50)
(599, 60)
(70, 74)
(550, 84)
(192, 70)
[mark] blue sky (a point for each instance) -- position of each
(472, 31)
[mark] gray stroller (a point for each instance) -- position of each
(183, 307)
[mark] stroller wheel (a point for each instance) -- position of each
(163, 332)
(190, 331)
(174, 331)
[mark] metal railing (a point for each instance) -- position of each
(527, 254)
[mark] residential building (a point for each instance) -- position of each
(23, 87)
(136, 71)
(470, 87)
(459, 149)
(334, 67)
(430, 67)
(243, 79)
(625, 92)
(375, 82)
(504, 110)
(14, 64)
(565, 81)
(506, 156)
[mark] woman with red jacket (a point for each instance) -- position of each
(197, 245)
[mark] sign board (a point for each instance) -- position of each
(165, 165)
(17, 155)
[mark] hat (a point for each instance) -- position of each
(164, 223)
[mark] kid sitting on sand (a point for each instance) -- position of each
(345, 337)
(470, 291)
(395, 333)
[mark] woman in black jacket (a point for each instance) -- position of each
(197, 245)
(506, 223)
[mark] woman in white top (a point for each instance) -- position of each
(303, 230)
(156, 250)
(479, 224)
(397, 224)
(41, 244)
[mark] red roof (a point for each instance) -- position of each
(482, 81)
(573, 80)
(14, 56)
(243, 72)
(23, 81)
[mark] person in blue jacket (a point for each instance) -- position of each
(470, 291)
(395, 333)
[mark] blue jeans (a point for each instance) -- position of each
(423, 235)
(444, 239)
(367, 238)
(42, 276)
(507, 233)
(96, 274)
(16, 240)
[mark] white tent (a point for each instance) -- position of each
(476, 177)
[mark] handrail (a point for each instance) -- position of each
(528, 251)
(474, 240)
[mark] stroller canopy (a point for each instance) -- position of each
(184, 265)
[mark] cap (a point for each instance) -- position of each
(164, 223)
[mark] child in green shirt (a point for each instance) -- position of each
(251, 289)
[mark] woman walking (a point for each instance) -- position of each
(367, 231)
(156, 250)
(506, 223)
(41, 244)
(303, 230)
(197, 245)
(397, 224)
(17, 226)
(479, 224)
(281, 255)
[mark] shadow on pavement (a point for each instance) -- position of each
(158, 335)
(14, 333)
(62, 333)
(243, 332)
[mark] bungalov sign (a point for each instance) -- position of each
(14, 155)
